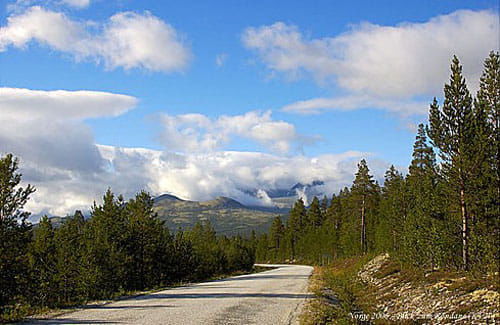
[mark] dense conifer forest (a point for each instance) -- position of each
(444, 213)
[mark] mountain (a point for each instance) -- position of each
(228, 216)
(164, 197)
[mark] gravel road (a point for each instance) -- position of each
(270, 297)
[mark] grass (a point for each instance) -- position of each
(341, 298)
(338, 291)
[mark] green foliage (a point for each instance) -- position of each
(15, 234)
(42, 263)
(442, 215)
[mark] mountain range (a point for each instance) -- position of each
(228, 216)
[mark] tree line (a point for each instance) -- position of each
(121, 247)
(444, 213)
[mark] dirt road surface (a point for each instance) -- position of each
(271, 297)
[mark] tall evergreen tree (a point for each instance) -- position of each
(146, 241)
(314, 214)
(15, 232)
(452, 132)
(363, 190)
(69, 239)
(104, 256)
(485, 194)
(324, 205)
(276, 233)
(393, 208)
(42, 261)
(296, 224)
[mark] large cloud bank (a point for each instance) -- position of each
(58, 153)
(374, 66)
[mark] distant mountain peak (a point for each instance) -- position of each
(227, 202)
(166, 197)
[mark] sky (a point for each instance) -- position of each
(207, 98)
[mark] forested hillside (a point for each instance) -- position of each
(227, 216)
(443, 214)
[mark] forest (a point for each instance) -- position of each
(121, 248)
(442, 214)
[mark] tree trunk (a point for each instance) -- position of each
(363, 227)
(465, 230)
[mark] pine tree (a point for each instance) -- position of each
(314, 214)
(485, 194)
(428, 235)
(324, 205)
(334, 220)
(103, 257)
(296, 224)
(489, 95)
(451, 130)
(146, 241)
(69, 249)
(393, 208)
(363, 190)
(15, 232)
(42, 261)
(276, 233)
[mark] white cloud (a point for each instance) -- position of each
(203, 176)
(198, 133)
(128, 40)
(59, 156)
(26, 104)
(45, 128)
(353, 102)
(393, 64)
(200, 176)
(77, 3)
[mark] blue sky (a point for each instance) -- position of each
(263, 67)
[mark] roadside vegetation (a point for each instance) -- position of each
(378, 290)
(441, 217)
